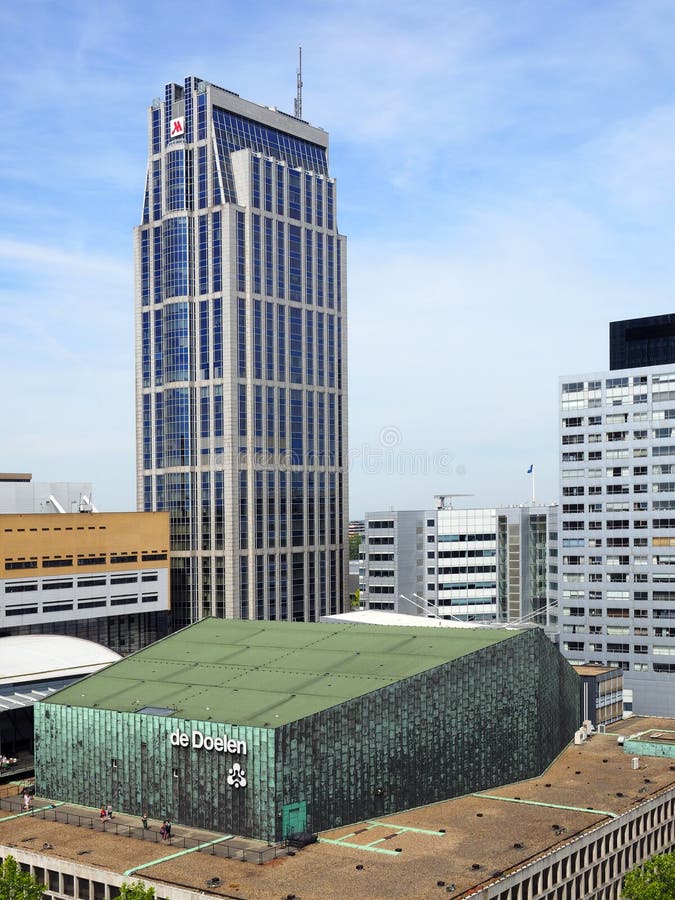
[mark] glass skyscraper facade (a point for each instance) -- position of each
(241, 358)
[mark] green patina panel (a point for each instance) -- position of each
(75, 748)
(501, 714)
(655, 742)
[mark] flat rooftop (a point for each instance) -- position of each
(266, 674)
(499, 830)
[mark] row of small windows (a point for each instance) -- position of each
(93, 559)
(58, 606)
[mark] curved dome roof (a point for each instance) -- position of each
(37, 657)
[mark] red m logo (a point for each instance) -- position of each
(176, 127)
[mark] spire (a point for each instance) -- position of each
(297, 111)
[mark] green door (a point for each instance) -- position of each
(294, 818)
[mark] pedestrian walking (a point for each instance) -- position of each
(144, 820)
(109, 810)
(168, 830)
(162, 830)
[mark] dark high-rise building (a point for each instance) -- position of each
(649, 341)
(241, 358)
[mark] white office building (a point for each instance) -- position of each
(479, 565)
(617, 531)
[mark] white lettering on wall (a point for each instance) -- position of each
(200, 741)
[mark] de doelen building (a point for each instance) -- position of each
(263, 728)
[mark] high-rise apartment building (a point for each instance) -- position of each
(617, 537)
(241, 358)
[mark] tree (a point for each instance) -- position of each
(654, 880)
(136, 890)
(16, 884)
(354, 544)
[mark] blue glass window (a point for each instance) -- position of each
(259, 502)
(331, 350)
(282, 418)
(310, 456)
(204, 413)
(298, 584)
(308, 199)
(320, 373)
(145, 267)
(240, 133)
(177, 439)
(296, 428)
(204, 338)
(295, 344)
(297, 511)
(216, 250)
(319, 270)
(219, 510)
(242, 414)
(145, 348)
(338, 273)
(218, 410)
(175, 180)
(156, 190)
(241, 252)
(147, 493)
(159, 430)
(217, 338)
(309, 263)
(271, 536)
(203, 255)
(294, 263)
(283, 535)
(280, 191)
(243, 583)
(321, 433)
(281, 343)
(309, 346)
(330, 271)
(147, 433)
(156, 130)
(293, 194)
(331, 436)
(157, 263)
(159, 491)
(258, 417)
(269, 341)
(281, 265)
(257, 255)
(202, 180)
(255, 186)
(201, 117)
(176, 342)
(243, 515)
(257, 339)
(330, 205)
(188, 109)
(159, 354)
(319, 203)
(176, 270)
(241, 336)
(269, 259)
(338, 355)
(268, 185)
(270, 420)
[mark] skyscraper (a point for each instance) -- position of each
(241, 358)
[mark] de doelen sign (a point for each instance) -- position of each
(236, 776)
(200, 741)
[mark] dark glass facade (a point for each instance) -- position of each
(649, 341)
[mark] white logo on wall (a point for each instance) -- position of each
(177, 127)
(237, 776)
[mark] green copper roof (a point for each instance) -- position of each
(267, 674)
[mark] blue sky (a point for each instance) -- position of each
(506, 180)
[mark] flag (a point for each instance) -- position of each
(531, 469)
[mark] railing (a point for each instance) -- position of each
(227, 849)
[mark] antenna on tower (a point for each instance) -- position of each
(298, 96)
